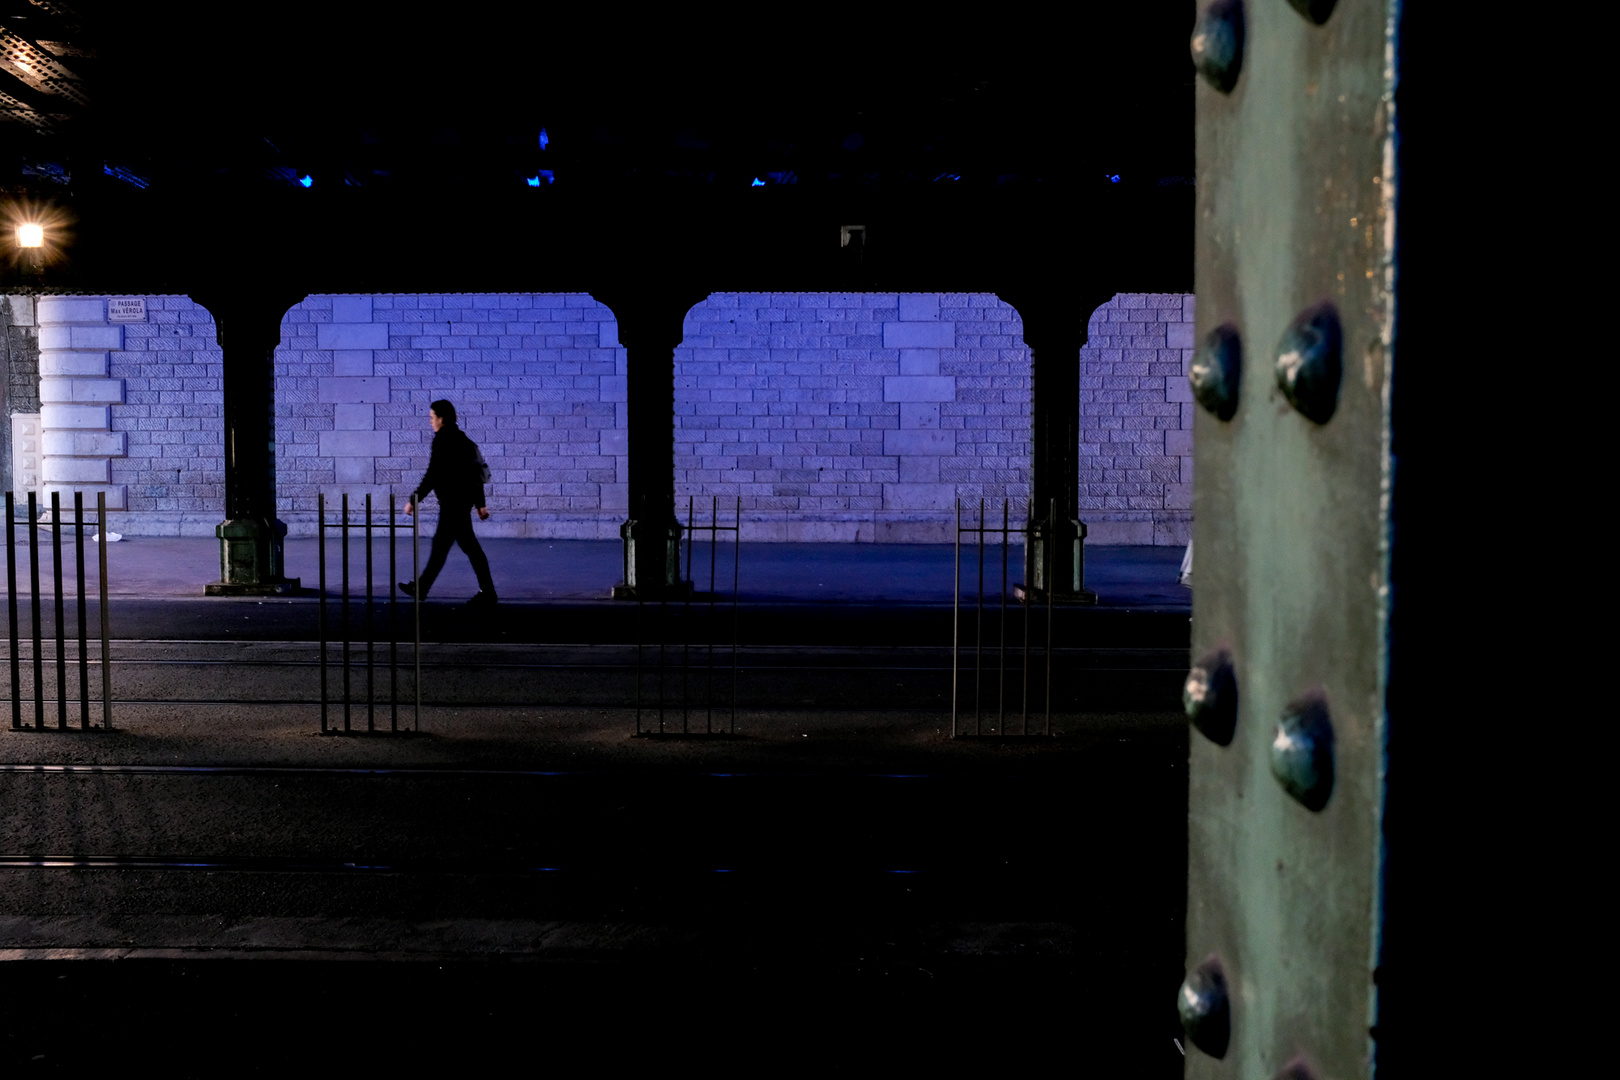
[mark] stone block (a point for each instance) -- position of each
(81, 391)
(1179, 335)
(919, 414)
(918, 497)
(926, 441)
(117, 496)
(919, 361)
(354, 417)
(919, 469)
(1178, 443)
(97, 337)
(71, 309)
(66, 442)
(351, 336)
(356, 470)
(75, 470)
(361, 362)
(1178, 496)
(919, 335)
(353, 390)
(904, 388)
(21, 309)
(341, 444)
(87, 364)
(351, 309)
(73, 416)
(919, 307)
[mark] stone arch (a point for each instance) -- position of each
(1135, 432)
(852, 417)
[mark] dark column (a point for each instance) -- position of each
(1055, 329)
(650, 329)
(247, 325)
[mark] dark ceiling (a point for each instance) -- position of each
(117, 109)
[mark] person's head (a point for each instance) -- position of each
(442, 412)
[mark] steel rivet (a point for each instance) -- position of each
(1216, 370)
(1315, 10)
(1206, 1014)
(1210, 696)
(1308, 362)
(1296, 1069)
(1217, 43)
(1302, 751)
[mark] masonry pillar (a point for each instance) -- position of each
(247, 325)
(76, 394)
(650, 329)
(1055, 329)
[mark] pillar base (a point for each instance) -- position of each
(1055, 564)
(652, 561)
(250, 559)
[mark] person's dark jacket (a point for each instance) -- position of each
(452, 471)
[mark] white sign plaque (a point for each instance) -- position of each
(126, 309)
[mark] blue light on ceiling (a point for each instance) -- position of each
(757, 182)
(532, 181)
(544, 138)
(1113, 178)
(306, 180)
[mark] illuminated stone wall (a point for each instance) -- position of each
(837, 417)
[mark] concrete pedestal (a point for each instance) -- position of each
(250, 559)
(1055, 560)
(652, 561)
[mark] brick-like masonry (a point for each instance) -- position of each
(847, 417)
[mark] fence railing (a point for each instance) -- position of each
(684, 627)
(978, 532)
(345, 628)
(63, 689)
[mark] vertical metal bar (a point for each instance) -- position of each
(736, 570)
(11, 610)
(61, 613)
(343, 609)
(686, 630)
(416, 606)
(956, 620)
(663, 667)
(393, 623)
(34, 609)
(708, 624)
(978, 638)
(371, 633)
(106, 625)
(1029, 600)
(84, 645)
(1051, 516)
(320, 603)
(640, 626)
(1001, 684)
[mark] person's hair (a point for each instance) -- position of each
(446, 411)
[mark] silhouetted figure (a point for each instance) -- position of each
(454, 473)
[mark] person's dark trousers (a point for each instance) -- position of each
(455, 527)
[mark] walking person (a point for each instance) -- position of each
(455, 474)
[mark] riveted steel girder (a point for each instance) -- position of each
(1295, 283)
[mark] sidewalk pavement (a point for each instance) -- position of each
(576, 571)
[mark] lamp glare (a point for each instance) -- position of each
(30, 236)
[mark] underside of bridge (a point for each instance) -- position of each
(648, 164)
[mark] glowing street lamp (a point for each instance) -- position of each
(30, 235)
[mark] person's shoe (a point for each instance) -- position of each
(482, 599)
(409, 588)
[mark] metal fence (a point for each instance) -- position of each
(345, 689)
(64, 690)
(1022, 658)
(694, 623)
